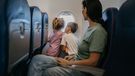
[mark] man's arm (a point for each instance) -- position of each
(91, 61)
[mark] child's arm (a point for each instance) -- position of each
(64, 43)
(64, 48)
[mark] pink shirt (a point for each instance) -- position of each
(55, 41)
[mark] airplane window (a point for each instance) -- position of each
(67, 16)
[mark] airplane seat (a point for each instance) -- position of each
(18, 21)
(121, 60)
(3, 39)
(44, 30)
(109, 16)
(36, 25)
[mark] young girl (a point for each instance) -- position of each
(54, 40)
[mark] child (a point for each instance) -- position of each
(54, 40)
(69, 40)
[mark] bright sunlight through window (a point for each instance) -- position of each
(67, 16)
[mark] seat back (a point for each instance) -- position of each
(121, 60)
(36, 25)
(18, 20)
(3, 39)
(109, 17)
(44, 29)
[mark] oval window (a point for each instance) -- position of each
(67, 16)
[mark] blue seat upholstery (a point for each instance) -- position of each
(3, 39)
(109, 17)
(18, 21)
(36, 25)
(121, 59)
(18, 9)
(44, 29)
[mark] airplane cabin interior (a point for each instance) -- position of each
(26, 24)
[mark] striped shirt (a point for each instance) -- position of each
(71, 41)
(54, 41)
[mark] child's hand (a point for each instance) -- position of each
(62, 62)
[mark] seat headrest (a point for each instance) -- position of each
(18, 10)
(36, 15)
(127, 14)
(109, 12)
(45, 17)
(109, 17)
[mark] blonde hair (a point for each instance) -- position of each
(58, 23)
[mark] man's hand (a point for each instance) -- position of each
(69, 58)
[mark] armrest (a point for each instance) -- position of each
(92, 70)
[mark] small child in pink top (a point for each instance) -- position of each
(53, 45)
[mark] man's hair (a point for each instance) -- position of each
(73, 26)
(58, 23)
(94, 10)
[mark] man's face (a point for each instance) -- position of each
(84, 12)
